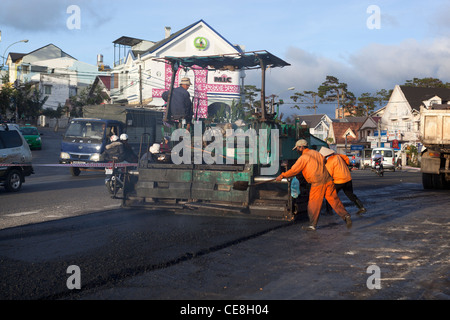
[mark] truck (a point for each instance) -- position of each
(85, 138)
(198, 185)
(435, 154)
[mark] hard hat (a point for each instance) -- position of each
(123, 136)
(155, 148)
(114, 138)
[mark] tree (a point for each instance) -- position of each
(306, 97)
(85, 98)
(26, 99)
(6, 95)
(29, 101)
(367, 104)
(427, 83)
(250, 93)
(332, 90)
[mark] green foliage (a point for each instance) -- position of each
(427, 83)
(26, 99)
(309, 98)
(52, 113)
(84, 98)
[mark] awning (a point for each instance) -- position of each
(241, 61)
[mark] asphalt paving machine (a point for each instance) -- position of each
(223, 168)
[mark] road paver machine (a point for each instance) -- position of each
(237, 176)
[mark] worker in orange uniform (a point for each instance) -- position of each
(337, 166)
(311, 165)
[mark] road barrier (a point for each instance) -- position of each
(78, 165)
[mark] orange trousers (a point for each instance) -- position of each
(315, 201)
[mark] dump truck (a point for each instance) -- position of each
(85, 138)
(232, 174)
(435, 137)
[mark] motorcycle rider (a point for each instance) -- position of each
(114, 151)
(130, 156)
(378, 157)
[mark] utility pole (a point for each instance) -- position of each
(140, 85)
(379, 133)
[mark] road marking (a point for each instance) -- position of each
(19, 214)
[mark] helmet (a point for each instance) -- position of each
(123, 136)
(114, 138)
(155, 148)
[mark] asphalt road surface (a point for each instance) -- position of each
(397, 250)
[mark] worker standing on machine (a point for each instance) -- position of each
(180, 103)
(311, 165)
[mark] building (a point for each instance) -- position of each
(345, 133)
(58, 74)
(400, 119)
(318, 124)
(140, 76)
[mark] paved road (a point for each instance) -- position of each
(405, 236)
(132, 254)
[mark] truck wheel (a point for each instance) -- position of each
(13, 181)
(427, 180)
(438, 181)
(75, 171)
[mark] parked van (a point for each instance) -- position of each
(15, 152)
(388, 157)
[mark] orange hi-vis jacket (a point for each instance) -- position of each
(311, 165)
(338, 169)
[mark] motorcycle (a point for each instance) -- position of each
(114, 179)
(379, 167)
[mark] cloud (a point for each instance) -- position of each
(51, 15)
(439, 21)
(370, 69)
(382, 66)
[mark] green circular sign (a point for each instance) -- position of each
(201, 43)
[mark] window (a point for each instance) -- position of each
(10, 139)
(29, 131)
(47, 89)
(25, 69)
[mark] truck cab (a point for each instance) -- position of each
(85, 139)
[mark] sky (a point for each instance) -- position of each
(368, 44)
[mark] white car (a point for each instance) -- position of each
(15, 158)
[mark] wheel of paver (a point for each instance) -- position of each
(13, 181)
(427, 181)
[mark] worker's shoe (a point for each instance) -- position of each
(348, 221)
(361, 211)
(360, 206)
(309, 228)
